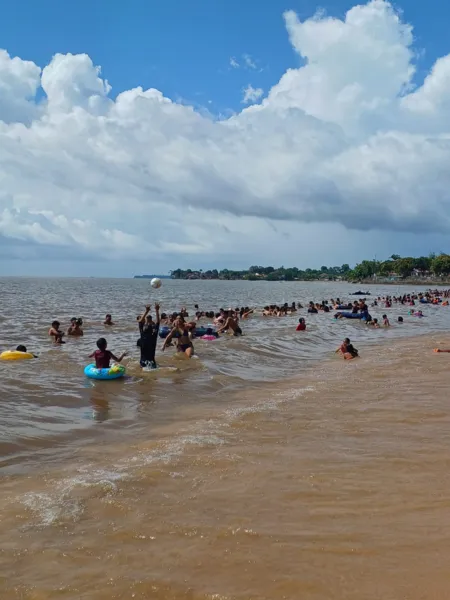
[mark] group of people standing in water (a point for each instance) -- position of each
(182, 332)
(182, 329)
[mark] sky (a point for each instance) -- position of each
(142, 137)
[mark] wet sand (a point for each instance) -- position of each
(332, 485)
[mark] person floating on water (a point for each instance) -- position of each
(22, 348)
(347, 350)
(183, 336)
(56, 333)
(149, 336)
(103, 356)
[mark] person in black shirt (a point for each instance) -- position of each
(149, 330)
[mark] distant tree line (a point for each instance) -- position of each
(401, 267)
(404, 267)
(257, 273)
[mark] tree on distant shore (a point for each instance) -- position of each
(395, 265)
(440, 265)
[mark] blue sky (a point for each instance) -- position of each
(345, 159)
(183, 47)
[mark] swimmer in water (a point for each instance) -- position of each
(386, 322)
(22, 348)
(149, 330)
(56, 333)
(75, 328)
(108, 320)
(301, 325)
(184, 337)
(103, 356)
(347, 350)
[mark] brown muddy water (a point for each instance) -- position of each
(266, 468)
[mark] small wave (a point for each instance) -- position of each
(67, 500)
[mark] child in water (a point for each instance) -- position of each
(386, 321)
(75, 327)
(22, 348)
(301, 325)
(347, 350)
(56, 333)
(103, 356)
(108, 320)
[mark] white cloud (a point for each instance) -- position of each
(252, 94)
(248, 61)
(345, 142)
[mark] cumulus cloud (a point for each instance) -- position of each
(345, 140)
(252, 94)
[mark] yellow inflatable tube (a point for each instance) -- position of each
(15, 355)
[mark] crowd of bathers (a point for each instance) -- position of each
(181, 332)
(181, 329)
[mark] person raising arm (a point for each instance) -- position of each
(149, 330)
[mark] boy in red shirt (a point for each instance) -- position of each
(103, 356)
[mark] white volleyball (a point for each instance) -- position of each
(156, 283)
